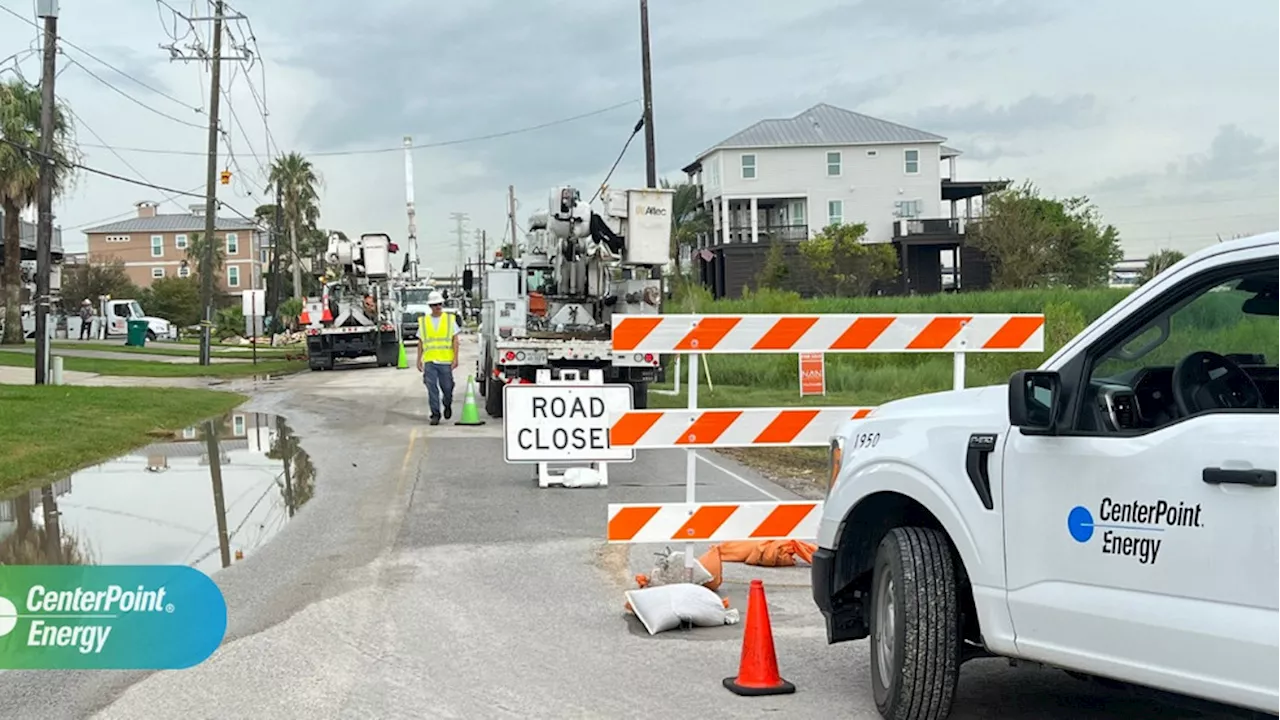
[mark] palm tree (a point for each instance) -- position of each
(20, 106)
(1157, 263)
(688, 218)
(298, 182)
(196, 256)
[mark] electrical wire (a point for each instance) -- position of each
(635, 131)
(81, 123)
(123, 215)
(133, 99)
(419, 146)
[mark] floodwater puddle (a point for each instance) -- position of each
(205, 497)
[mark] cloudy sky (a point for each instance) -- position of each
(1166, 114)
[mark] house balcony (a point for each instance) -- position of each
(930, 228)
(768, 233)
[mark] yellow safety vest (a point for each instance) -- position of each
(437, 343)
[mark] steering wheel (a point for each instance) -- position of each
(1195, 387)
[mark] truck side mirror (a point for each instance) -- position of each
(1034, 400)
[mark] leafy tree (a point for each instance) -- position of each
(844, 265)
(299, 184)
(1034, 241)
(20, 108)
(81, 282)
(774, 273)
(688, 218)
(175, 299)
(1157, 263)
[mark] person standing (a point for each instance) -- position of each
(86, 319)
(438, 356)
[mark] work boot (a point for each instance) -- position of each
(435, 419)
(448, 411)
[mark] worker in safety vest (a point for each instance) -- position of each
(438, 356)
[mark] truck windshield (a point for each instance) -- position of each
(414, 296)
(135, 310)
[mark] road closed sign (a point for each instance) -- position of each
(563, 423)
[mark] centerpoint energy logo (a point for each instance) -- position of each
(108, 617)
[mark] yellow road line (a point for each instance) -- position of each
(408, 454)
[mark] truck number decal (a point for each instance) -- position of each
(866, 440)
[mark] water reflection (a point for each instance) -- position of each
(205, 497)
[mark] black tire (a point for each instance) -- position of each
(640, 395)
(915, 570)
(493, 398)
(151, 336)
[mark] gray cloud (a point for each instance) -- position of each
(945, 19)
(1034, 112)
(1233, 156)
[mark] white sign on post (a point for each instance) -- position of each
(563, 423)
(253, 302)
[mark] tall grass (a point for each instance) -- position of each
(1067, 313)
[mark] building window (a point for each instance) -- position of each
(157, 273)
(157, 246)
(797, 212)
(233, 276)
(237, 425)
(872, 153)
(835, 212)
(180, 242)
(233, 244)
(833, 164)
(184, 271)
(907, 209)
(911, 162)
(748, 167)
(117, 238)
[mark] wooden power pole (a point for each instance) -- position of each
(650, 157)
(47, 9)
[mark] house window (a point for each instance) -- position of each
(117, 238)
(184, 271)
(835, 212)
(748, 167)
(157, 273)
(233, 276)
(237, 425)
(911, 162)
(833, 164)
(873, 153)
(797, 212)
(233, 244)
(907, 209)
(157, 246)
(180, 242)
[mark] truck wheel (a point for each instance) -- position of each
(915, 625)
(640, 395)
(493, 398)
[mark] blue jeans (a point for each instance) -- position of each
(438, 378)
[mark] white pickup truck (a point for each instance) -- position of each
(1112, 514)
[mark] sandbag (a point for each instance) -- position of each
(667, 607)
(767, 553)
(669, 569)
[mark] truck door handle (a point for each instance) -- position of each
(1253, 478)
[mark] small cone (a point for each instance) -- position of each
(402, 362)
(470, 415)
(758, 668)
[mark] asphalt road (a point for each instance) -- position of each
(429, 579)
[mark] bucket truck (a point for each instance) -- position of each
(357, 313)
(553, 306)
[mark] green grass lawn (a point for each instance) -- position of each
(172, 349)
(47, 432)
(144, 368)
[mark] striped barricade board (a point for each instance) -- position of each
(713, 522)
(829, 333)
(751, 427)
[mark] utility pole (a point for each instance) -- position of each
(461, 232)
(650, 159)
(484, 259)
(211, 179)
(276, 237)
(511, 218)
(48, 9)
(413, 223)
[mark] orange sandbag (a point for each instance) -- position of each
(766, 553)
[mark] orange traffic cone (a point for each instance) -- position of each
(758, 668)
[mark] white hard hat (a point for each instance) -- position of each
(435, 298)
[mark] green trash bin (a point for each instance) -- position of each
(137, 333)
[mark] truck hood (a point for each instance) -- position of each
(979, 408)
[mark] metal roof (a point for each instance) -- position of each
(950, 152)
(170, 223)
(824, 125)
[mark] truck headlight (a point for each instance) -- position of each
(835, 457)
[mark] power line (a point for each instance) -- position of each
(121, 216)
(133, 99)
(91, 56)
(81, 123)
(420, 146)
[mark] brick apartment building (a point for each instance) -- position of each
(154, 245)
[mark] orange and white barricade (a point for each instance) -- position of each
(692, 428)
